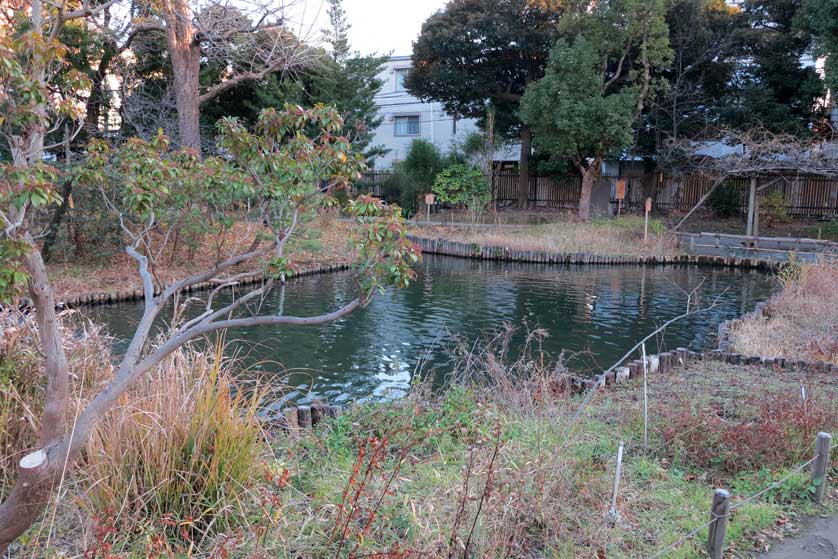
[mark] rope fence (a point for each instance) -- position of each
(721, 508)
(715, 517)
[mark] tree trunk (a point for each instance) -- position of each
(32, 489)
(589, 175)
(524, 167)
(186, 66)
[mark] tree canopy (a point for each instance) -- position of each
(479, 52)
(596, 85)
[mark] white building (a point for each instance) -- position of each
(406, 118)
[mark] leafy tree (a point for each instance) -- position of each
(463, 185)
(774, 88)
(341, 78)
(214, 48)
(598, 80)
(476, 52)
(703, 39)
(284, 168)
(821, 18)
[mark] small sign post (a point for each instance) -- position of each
(646, 221)
(621, 194)
(429, 201)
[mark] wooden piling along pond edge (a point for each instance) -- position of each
(491, 252)
(306, 417)
(463, 250)
(107, 297)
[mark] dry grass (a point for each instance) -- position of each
(174, 462)
(495, 466)
(322, 241)
(22, 380)
(801, 323)
(608, 237)
(178, 454)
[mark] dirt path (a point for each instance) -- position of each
(819, 540)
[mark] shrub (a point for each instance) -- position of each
(415, 176)
(772, 431)
(464, 186)
(179, 453)
(772, 209)
(725, 200)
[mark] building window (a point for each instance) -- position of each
(401, 76)
(408, 125)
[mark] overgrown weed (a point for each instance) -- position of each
(801, 322)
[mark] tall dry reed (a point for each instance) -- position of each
(178, 454)
(22, 380)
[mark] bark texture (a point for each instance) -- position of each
(32, 489)
(185, 52)
(590, 174)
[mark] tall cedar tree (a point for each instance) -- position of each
(479, 52)
(350, 82)
(597, 83)
(704, 54)
(774, 86)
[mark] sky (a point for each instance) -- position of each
(379, 26)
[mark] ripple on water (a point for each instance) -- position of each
(594, 313)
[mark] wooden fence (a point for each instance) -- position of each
(812, 196)
(803, 195)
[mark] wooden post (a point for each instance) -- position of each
(752, 197)
(718, 528)
(304, 417)
(821, 464)
(648, 208)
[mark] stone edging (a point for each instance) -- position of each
(481, 252)
(105, 297)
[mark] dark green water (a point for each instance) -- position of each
(594, 313)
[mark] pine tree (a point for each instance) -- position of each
(349, 81)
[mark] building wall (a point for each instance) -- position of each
(435, 126)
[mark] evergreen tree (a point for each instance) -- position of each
(599, 78)
(476, 53)
(349, 81)
(821, 18)
(774, 86)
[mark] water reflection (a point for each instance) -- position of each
(595, 313)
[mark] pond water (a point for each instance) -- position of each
(595, 313)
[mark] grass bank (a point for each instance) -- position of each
(501, 464)
(621, 236)
(322, 241)
(801, 322)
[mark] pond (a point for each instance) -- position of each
(594, 313)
